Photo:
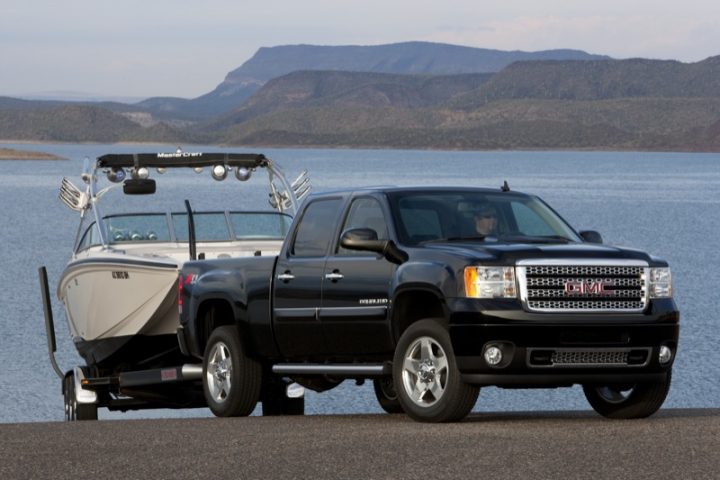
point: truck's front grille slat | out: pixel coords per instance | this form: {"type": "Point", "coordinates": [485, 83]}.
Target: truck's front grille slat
{"type": "Point", "coordinates": [583, 287]}
{"type": "Point", "coordinates": [578, 358]}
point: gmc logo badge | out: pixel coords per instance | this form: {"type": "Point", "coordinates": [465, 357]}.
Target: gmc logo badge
{"type": "Point", "coordinates": [583, 287]}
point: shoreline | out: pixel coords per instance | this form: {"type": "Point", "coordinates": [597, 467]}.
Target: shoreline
{"type": "Point", "coordinates": [15, 154]}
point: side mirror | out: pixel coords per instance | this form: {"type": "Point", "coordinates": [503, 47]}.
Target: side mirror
{"type": "Point", "coordinates": [139, 186]}
{"type": "Point", "coordinates": [591, 236]}
{"type": "Point", "coordinates": [365, 239]}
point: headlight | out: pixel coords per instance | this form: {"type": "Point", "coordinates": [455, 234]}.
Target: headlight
{"type": "Point", "coordinates": [490, 282]}
{"type": "Point", "coordinates": [660, 283]}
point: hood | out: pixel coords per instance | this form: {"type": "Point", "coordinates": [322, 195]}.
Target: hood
{"type": "Point", "coordinates": [505, 253]}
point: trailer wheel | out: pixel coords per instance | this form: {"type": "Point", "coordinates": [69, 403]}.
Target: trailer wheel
{"type": "Point", "coordinates": [386, 395]}
{"type": "Point", "coordinates": [628, 401]}
{"type": "Point", "coordinates": [73, 410]}
{"type": "Point", "coordinates": [231, 379]}
{"type": "Point", "coordinates": [426, 376]}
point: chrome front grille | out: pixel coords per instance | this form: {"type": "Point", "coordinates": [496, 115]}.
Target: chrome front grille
{"type": "Point", "coordinates": [583, 286]}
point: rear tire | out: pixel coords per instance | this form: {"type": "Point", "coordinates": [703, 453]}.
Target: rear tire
{"type": "Point", "coordinates": [426, 376]}
{"type": "Point", "coordinates": [231, 379]}
{"type": "Point", "coordinates": [628, 401]}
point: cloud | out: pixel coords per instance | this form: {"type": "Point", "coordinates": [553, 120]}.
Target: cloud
{"type": "Point", "coordinates": [686, 39]}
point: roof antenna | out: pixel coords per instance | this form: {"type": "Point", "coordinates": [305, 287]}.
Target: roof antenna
{"type": "Point", "coordinates": [505, 187]}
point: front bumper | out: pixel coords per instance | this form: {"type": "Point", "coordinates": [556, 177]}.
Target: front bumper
{"type": "Point", "coordinates": [547, 350]}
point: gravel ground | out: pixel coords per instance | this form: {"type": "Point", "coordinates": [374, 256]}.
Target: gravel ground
{"type": "Point", "coordinates": [572, 445]}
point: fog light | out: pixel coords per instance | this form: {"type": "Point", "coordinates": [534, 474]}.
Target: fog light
{"type": "Point", "coordinates": [665, 354]}
{"type": "Point", "coordinates": [493, 355]}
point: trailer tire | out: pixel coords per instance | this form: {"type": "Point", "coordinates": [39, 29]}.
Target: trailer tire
{"type": "Point", "coordinates": [75, 411]}
{"type": "Point", "coordinates": [231, 380]}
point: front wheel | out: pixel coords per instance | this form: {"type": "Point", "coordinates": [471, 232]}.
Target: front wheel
{"type": "Point", "coordinates": [231, 379]}
{"type": "Point", "coordinates": [426, 377]}
{"type": "Point", "coordinates": [624, 401]}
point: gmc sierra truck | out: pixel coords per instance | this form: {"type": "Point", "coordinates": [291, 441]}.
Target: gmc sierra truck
{"type": "Point", "coordinates": [432, 293]}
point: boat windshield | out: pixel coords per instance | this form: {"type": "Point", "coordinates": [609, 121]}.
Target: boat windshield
{"type": "Point", "coordinates": [173, 227]}
{"type": "Point", "coordinates": [446, 216]}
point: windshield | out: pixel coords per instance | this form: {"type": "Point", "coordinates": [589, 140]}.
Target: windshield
{"type": "Point", "coordinates": [426, 216]}
{"type": "Point", "coordinates": [209, 227]}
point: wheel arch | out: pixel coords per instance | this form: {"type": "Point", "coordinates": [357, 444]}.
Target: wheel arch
{"type": "Point", "coordinates": [214, 312]}
{"type": "Point", "coordinates": [414, 303]}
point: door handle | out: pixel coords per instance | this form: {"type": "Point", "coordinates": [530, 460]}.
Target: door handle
{"type": "Point", "coordinates": [285, 277]}
{"type": "Point", "coordinates": [334, 276]}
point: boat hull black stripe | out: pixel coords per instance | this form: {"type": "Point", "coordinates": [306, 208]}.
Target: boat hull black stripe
{"type": "Point", "coordinates": [119, 261]}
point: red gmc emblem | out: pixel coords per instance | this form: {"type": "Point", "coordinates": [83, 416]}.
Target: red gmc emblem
{"type": "Point", "coordinates": [584, 287]}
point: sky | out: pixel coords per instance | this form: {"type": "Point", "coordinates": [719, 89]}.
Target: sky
{"type": "Point", "coordinates": [184, 48]}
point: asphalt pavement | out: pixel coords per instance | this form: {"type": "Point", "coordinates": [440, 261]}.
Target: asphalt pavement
{"type": "Point", "coordinates": [498, 446]}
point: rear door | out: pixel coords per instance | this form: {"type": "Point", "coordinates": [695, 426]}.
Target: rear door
{"type": "Point", "coordinates": [298, 280]}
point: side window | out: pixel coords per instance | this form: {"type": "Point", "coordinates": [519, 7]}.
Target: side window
{"type": "Point", "coordinates": [316, 228]}
{"type": "Point", "coordinates": [528, 222]}
{"type": "Point", "coordinates": [365, 213]}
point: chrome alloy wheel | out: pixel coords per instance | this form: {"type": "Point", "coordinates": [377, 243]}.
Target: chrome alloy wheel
{"type": "Point", "coordinates": [425, 372]}
{"type": "Point", "coordinates": [219, 372]}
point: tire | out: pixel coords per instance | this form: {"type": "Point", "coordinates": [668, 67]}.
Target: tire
{"type": "Point", "coordinates": [231, 380]}
{"type": "Point", "coordinates": [75, 411]}
{"type": "Point", "coordinates": [276, 402]}
{"type": "Point", "coordinates": [386, 395]}
{"type": "Point", "coordinates": [628, 401]}
{"type": "Point", "coordinates": [426, 377]}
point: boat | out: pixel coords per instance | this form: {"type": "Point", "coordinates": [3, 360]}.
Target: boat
{"type": "Point", "coordinates": [120, 287]}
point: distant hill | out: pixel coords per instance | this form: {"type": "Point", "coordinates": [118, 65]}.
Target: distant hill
{"type": "Point", "coordinates": [628, 104]}
{"type": "Point", "coordinates": [592, 103]}
{"type": "Point", "coordinates": [598, 80]}
{"type": "Point", "coordinates": [400, 58]}
{"type": "Point", "coordinates": [334, 89]}
{"type": "Point", "coordinates": [80, 123]}
{"type": "Point", "coordinates": [404, 58]}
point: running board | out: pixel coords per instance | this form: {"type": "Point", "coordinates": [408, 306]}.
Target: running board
{"type": "Point", "coordinates": [159, 376]}
{"type": "Point", "coordinates": [336, 369]}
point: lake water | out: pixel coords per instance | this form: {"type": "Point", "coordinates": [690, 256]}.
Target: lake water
{"type": "Point", "coordinates": [665, 203]}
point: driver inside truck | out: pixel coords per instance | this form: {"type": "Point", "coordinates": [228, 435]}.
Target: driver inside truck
{"type": "Point", "coordinates": [486, 220]}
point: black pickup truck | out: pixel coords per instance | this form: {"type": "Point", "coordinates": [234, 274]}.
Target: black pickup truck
{"type": "Point", "coordinates": [433, 293]}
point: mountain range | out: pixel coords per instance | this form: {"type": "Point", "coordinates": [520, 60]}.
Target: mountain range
{"type": "Point", "coordinates": [411, 95]}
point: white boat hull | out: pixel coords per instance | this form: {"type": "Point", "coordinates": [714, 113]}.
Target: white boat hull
{"type": "Point", "coordinates": [109, 298]}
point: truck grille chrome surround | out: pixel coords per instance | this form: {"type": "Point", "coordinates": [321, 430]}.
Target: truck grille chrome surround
{"type": "Point", "coordinates": [581, 285]}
